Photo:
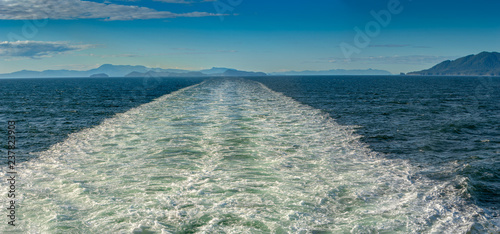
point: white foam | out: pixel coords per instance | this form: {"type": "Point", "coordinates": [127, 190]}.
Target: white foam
{"type": "Point", "coordinates": [230, 155]}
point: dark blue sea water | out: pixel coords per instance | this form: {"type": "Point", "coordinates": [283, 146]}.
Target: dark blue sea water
{"type": "Point", "coordinates": [266, 154]}
{"type": "Point", "coordinates": [447, 125]}
{"type": "Point", "coordinates": [48, 110]}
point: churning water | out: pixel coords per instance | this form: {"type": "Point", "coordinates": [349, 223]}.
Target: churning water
{"type": "Point", "coordinates": [231, 155]}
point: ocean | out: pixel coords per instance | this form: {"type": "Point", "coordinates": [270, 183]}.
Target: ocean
{"type": "Point", "coordinates": [340, 154]}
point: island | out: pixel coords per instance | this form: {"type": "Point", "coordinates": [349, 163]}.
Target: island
{"type": "Point", "coordinates": [109, 70]}
{"type": "Point", "coordinates": [100, 75]}
{"type": "Point", "coordinates": [482, 64]}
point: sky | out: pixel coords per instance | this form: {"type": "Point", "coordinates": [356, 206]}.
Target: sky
{"type": "Point", "coordinates": [257, 35]}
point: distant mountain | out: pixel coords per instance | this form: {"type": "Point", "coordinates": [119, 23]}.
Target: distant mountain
{"type": "Point", "coordinates": [482, 64]}
{"type": "Point", "coordinates": [332, 72]}
{"type": "Point", "coordinates": [100, 75]}
{"type": "Point", "coordinates": [129, 71]}
{"type": "Point", "coordinates": [210, 72]}
{"type": "Point", "coordinates": [214, 70]}
{"type": "Point", "coordinates": [164, 74]}
{"type": "Point", "coordinates": [110, 70]}
{"type": "Point", "coordinates": [118, 70]}
{"type": "Point", "coordinates": [233, 72]}
{"type": "Point", "coordinates": [142, 71]}
{"type": "Point", "coordinates": [46, 73]}
{"type": "Point", "coordinates": [169, 70]}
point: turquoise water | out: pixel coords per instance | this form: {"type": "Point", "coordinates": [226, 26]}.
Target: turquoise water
{"type": "Point", "coordinates": [232, 156]}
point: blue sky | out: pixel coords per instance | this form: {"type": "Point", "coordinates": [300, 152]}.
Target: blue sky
{"type": "Point", "coordinates": [254, 35]}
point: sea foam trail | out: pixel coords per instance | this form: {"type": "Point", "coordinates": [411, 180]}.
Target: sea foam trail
{"type": "Point", "coordinates": [230, 155]}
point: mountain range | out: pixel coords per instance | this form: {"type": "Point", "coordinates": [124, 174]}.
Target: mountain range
{"type": "Point", "coordinates": [334, 72]}
{"type": "Point", "coordinates": [109, 70]}
{"type": "Point", "coordinates": [210, 72]}
{"type": "Point", "coordinates": [482, 64]}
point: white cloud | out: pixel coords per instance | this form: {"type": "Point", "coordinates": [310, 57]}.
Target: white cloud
{"type": "Point", "coordinates": [36, 49]}
{"type": "Point", "coordinates": [77, 9]}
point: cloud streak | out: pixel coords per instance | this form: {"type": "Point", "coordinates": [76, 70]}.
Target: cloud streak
{"type": "Point", "coordinates": [77, 9]}
{"type": "Point", "coordinates": [37, 49]}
